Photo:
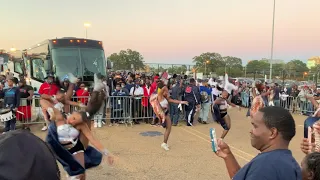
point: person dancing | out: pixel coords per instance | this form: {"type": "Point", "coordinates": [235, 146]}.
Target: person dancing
{"type": "Point", "coordinates": [62, 99]}
{"type": "Point", "coordinates": [69, 136]}
{"type": "Point", "coordinates": [160, 103]}
{"type": "Point", "coordinates": [257, 102]}
{"type": "Point", "coordinates": [221, 112]}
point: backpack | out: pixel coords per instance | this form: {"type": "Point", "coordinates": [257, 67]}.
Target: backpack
{"type": "Point", "coordinates": [204, 96]}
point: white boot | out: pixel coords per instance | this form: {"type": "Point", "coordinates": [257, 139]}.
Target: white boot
{"type": "Point", "coordinates": [98, 84]}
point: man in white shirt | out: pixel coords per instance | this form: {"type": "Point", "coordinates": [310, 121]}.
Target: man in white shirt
{"type": "Point", "coordinates": [136, 92]}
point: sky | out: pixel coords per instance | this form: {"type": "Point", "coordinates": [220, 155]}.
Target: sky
{"type": "Point", "coordinates": [170, 31]}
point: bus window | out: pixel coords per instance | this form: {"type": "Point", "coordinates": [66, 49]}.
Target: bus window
{"type": "Point", "coordinates": [92, 61]}
{"type": "Point", "coordinates": [18, 68]}
{"type": "Point", "coordinates": [66, 60]}
{"type": "Point", "coordinates": [38, 69]}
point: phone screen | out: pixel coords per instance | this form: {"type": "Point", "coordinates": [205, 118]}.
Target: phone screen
{"type": "Point", "coordinates": [213, 140]}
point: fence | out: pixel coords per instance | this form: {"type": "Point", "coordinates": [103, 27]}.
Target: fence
{"type": "Point", "coordinates": [298, 105]}
{"type": "Point", "coordinates": [126, 109]}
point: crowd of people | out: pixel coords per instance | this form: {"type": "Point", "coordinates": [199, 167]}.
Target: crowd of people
{"type": "Point", "coordinates": [161, 98]}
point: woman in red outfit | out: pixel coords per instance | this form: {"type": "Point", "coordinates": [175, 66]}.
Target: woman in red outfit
{"type": "Point", "coordinates": [83, 94]}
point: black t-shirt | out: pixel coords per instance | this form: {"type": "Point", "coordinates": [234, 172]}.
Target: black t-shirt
{"type": "Point", "coordinates": [24, 93]}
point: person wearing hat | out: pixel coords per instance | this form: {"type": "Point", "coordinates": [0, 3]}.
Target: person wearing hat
{"type": "Point", "coordinates": [26, 163]}
{"type": "Point", "coordinates": [47, 90]}
{"type": "Point", "coordinates": [11, 101]}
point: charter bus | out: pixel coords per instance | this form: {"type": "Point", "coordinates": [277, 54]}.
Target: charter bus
{"type": "Point", "coordinates": [4, 58]}
{"type": "Point", "coordinates": [82, 57]}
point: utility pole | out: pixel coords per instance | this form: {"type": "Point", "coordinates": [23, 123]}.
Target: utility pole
{"type": "Point", "coordinates": [271, 58]}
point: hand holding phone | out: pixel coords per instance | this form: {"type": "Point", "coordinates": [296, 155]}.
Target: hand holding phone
{"type": "Point", "coordinates": [214, 143]}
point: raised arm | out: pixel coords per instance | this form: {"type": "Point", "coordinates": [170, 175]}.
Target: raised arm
{"type": "Point", "coordinates": [313, 101]}
{"type": "Point", "coordinates": [56, 114]}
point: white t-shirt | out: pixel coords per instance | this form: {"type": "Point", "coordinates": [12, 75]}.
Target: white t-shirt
{"type": "Point", "coordinates": [136, 91]}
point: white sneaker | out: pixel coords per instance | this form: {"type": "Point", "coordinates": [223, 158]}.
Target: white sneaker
{"type": "Point", "coordinates": [165, 146]}
{"type": "Point", "coordinates": [95, 124]}
{"type": "Point", "coordinates": [44, 128]}
{"type": "Point", "coordinates": [99, 123]}
{"type": "Point", "coordinates": [4, 133]}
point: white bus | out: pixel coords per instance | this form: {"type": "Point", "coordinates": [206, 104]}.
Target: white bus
{"type": "Point", "coordinates": [82, 57]}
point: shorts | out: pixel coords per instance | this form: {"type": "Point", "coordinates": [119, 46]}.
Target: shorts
{"type": "Point", "coordinates": [78, 147]}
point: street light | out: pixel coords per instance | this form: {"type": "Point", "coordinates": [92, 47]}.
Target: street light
{"type": "Point", "coordinates": [205, 66]}
{"type": "Point", "coordinates": [304, 74]}
{"type": "Point", "coordinates": [271, 58]}
{"type": "Point", "coordinates": [86, 25]}
{"type": "Point", "coordinates": [13, 49]}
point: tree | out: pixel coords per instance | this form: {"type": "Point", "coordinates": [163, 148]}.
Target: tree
{"type": "Point", "coordinates": [177, 69]}
{"type": "Point", "coordinates": [208, 62]}
{"type": "Point", "coordinates": [124, 59]}
{"type": "Point", "coordinates": [256, 67]}
{"type": "Point", "coordinates": [296, 68]}
{"type": "Point", "coordinates": [278, 69]}
{"type": "Point", "coordinates": [233, 66]}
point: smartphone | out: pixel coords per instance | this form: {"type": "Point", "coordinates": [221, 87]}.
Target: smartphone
{"type": "Point", "coordinates": [214, 143]}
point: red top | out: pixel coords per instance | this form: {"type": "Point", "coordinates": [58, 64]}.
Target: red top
{"type": "Point", "coordinates": [48, 89]}
{"type": "Point", "coordinates": [81, 93]}
{"type": "Point", "coordinates": [146, 94]}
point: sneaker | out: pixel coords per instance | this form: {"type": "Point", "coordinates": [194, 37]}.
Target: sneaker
{"type": "Point", "coordinates": [95, 124]}
{"type": "Point", "coordinates": [165, 146]}
{"type": "Point", "coordinates": [44, 128]}
{"type": "Point", "coordinates": [4, 133]}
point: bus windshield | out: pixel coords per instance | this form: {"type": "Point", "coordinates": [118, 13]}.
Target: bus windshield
{"type": "Point", "coordinates": [79, 61]}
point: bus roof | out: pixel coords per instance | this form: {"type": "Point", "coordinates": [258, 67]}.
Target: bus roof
{"type": "Point", "coordinates": [70, 42]}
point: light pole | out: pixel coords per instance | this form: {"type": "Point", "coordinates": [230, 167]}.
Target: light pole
{"type": "Point", "coordinates": [205, 67]}
{"type": "Point", "coordinates": [86, 25]}
{"type": "Point", "coordinates": [225, 65]}
{"type": "Point", "coordinates": [271, 58]}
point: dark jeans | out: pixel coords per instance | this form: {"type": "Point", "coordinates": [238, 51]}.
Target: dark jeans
{"type": "Point", "coordinates": [116, 115]}
{"type": "Point", "coordinates": [190, 110]}
{"type": "Point", "coordinates": [10, 125]}
{"type": "Point", "coordinates": [174, 113]}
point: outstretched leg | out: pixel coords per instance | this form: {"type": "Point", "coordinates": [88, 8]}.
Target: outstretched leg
{"type": "Point", "coordinates": [226, 126]}
{"type": "Point", "coordinates": [168, 126]}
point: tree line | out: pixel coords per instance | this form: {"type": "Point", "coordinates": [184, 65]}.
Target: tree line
{"type": "Point", "coordinates": [214, 63]}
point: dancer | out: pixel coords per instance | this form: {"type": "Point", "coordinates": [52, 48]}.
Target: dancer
{"type": "Point", "coordinates": [62, 99]}
{"type": "Point", "coordinates": [69, 137]}
{"type": "Point", "coordinates": [257, 102]}
{"type": "Point", "coordinates": [221, 112]}
{"type": "Point", "coordinates": [160, 104]}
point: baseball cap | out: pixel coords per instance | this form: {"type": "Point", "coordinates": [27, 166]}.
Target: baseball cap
{"type": "Point", "coordinates": [25, 156]}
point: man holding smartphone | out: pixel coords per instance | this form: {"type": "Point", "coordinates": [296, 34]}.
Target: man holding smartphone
{"type": "Point", "coordinates": [273, 129]}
